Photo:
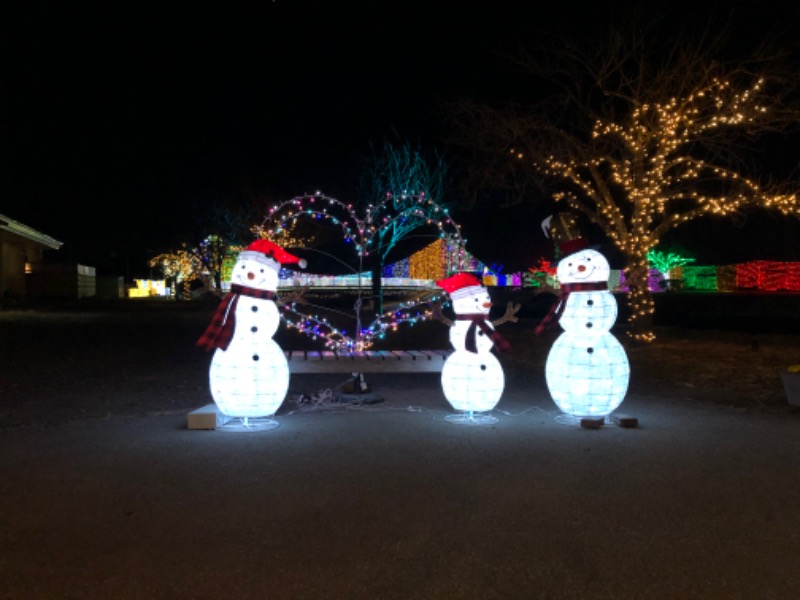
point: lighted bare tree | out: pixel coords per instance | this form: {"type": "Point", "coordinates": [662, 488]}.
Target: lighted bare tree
{"type": "Point", "coordinates": [403, 191]}
{"type": "Point", "coordinates": [180, 267]}
{"type": "Point", "coordinates": [639, 139]}
{"type": "Point", "coordinates": [203, 262]}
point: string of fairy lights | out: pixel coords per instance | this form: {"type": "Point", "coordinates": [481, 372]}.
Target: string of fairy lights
{"type": "Point", "coordinates": [320, 328]}
{"type": "Point", "coordinates": [364, 231]}
{"type": "Point", "coordinates": [646, 166]}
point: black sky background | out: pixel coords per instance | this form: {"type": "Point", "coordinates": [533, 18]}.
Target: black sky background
{"type": "Point", "coordinates": [120, 125]}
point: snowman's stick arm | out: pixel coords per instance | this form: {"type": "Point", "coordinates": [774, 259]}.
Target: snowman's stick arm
{"type": "Point", "coordinates": [436, 313]}
{"type": "Point", "coordinates": [511, 314]}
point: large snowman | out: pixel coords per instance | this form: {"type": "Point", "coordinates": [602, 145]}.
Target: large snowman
{"type": "Point", "coordinates": [249, 375]}
{"type": "Point", "coordinates": [587, 370]}
{"type": "Point", "coordinates": [472, 377]}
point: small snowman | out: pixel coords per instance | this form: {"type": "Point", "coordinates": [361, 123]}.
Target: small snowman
{"type": "Point", "coordinates": [249, 375]}
{"type": "Point", "coordinates": [472, 377]}
{"type": "Point", "coordinates": [587, 370]}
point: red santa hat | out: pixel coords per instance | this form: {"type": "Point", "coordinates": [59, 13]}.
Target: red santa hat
{"type": "Point", "coordinates": [271, 250]}
{"type": "Point", "coordinates": [460, 285]}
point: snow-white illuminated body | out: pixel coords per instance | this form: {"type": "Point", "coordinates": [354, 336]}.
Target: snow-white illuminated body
{"type": "Point", "coordinates": [587, 370]}
{"type": "Point", "coordinates": [472, 381]}
{"type": "Point", "coordinates": [251, 377]}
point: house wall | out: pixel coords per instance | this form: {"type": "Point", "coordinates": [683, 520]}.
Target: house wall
{"type": "Point", "coordinates": [15, 252]}
{"type": "Point", "coordinates": [68, 281]}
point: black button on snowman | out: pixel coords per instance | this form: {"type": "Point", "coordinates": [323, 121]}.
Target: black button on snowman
{"type": "Point", "coordinates": [249, 375]}
{"type": "Point", "coordinates": [587, 370]}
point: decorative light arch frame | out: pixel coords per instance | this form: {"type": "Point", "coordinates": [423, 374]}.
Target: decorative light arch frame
{"type": "Point", "coordinates": [364, 232]}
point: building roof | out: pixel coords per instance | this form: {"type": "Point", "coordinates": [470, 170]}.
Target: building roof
{"type": "Point", "coordinates": [20, 229]}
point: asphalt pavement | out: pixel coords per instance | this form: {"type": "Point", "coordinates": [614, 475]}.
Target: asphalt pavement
{"type": "Point", "coordinates": [392, 500]}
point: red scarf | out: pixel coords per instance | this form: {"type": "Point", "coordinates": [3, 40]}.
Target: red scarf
{"type": "Point", "coordinates": [219, 333]}
{"type": "Point", "coordinates": [479, 320]}
{"type": "Point", "coordinates": [554, 315]}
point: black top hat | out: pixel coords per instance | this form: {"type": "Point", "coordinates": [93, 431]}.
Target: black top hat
{"type": "Point", "coordinates": [563, 229]}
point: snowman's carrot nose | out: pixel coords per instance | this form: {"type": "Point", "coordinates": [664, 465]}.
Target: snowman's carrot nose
{"type": "Point", "coordinates": [581, 268]}
{"type": "Point", "coordinates": [251, 275]}
{"type": "Point", "coordinates": [487, 305]}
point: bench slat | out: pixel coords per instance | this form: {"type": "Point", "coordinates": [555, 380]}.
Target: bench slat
{"type": "Point", "coordinates": [437, 354]}
{"type": "Point", "coordinates": [369, 361]}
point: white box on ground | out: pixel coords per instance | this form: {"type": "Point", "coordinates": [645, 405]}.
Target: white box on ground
{"type": "Point", "coordinates": [206, 417]}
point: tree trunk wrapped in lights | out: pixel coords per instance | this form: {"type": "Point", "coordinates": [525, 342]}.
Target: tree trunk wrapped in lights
{"type": "Point", "coordinates": [640, 302]}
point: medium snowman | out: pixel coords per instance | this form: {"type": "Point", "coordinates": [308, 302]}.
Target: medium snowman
{"type": "Point", "coordinates": [472, 377]}
{"type": "Point", "coordinates": [587, 370]}
{"type": "Point", "coordinates": [249, 375]}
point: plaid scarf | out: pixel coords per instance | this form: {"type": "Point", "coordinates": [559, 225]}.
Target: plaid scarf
{"type": "Point", "coordinates": [219, 333]}
{"type": "Point", "coordinates": [554, 315]}
{"type": "Point", "coordinates": [479, 320]}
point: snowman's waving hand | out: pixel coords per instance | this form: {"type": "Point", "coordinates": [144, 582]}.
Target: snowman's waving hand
{"type": "Point", "coordinates": [511, 314]}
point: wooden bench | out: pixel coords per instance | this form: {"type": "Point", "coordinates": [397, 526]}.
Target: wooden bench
{"type": "Point", "coordinates": [328, 361]}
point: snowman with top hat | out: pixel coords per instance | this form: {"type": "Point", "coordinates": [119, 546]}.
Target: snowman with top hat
{"type": "Point", "coordinates": [587, 370]}
{"type": "Point", "coordinates": [472, 377]}
{"type": "Point", "coordinates": [249, 375]}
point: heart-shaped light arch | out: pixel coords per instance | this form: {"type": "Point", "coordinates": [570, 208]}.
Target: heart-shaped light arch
{"type": "Point", "coordinates": [396, 217]}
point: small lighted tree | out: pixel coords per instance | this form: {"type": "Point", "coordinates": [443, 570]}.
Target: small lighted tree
{"type": "Point", "coordinates": [203, 262]}
{"type": "Point", "coordinates": [401, 193]}
{"type": "Point", "coordinates": [213, 252]}
{"type": "Point", "coordinates": [543, 276]}
{"type": "Point", "coordinates": [664, 262]}
{"type": "Point", "coordinates": [180, 268]}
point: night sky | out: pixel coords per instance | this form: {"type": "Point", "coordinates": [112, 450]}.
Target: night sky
{"type": "Point", "coordinates": [120, 125]}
